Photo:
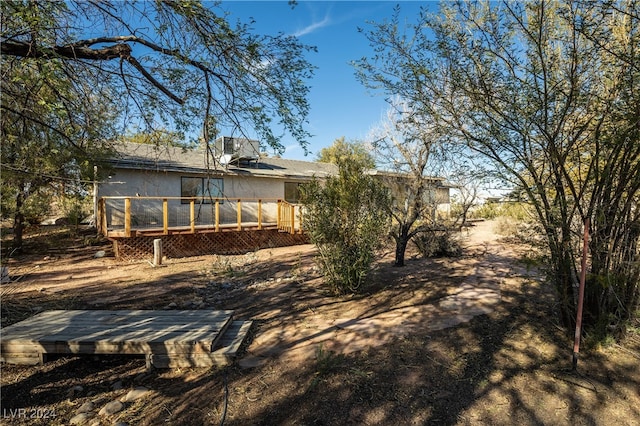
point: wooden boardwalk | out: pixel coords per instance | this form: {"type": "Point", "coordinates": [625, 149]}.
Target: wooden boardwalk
{"type": "Point", "coordinates": [166, 338]}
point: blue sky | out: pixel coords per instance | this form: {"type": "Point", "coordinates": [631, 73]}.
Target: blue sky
{"type": "Point", "coordinates": [340, 105]}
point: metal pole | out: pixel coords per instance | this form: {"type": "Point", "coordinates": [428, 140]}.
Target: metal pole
{"type": "Point", "coordinates": [583, 274]}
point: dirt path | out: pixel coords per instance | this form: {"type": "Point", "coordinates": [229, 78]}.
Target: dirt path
{"type": "Point", "coordinates": [470, 340]}
{"type": "Point", "coordinates": [485, 265]}
{"type": "Point", "coordinates": [441, 293]}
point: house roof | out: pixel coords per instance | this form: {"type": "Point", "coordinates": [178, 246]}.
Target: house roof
{"type": "Point", "coordinates": [183, 160]}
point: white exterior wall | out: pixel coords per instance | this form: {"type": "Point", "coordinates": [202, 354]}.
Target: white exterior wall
{"type": "Point", "coordinates": [128, 183]}
{"type": "Point", "coordinates": [134, 183]}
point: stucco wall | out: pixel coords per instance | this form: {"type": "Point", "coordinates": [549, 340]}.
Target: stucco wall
{"type": "Point", "coordinates": [161, 184]}
{"type": "Point", "coordinates": [135, 183]}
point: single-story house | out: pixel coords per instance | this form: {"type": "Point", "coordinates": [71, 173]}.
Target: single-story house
{"type": "Point", "coordinates": [148, 174]}
{"type": "Point", "coordinates": [148, 170]}
{"type": "Point", "coordinates": [164, 191]}
{"type": "Point", "coordinates": [436, 196]}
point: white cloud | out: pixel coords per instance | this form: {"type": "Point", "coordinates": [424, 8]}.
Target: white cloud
{"type": "Point", "coordinates": [313, 27]}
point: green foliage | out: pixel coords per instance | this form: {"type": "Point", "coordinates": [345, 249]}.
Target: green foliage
{"type": "Point", "coordinates": [437, 243]}
{"type": "Point", "coordinates": [75, 207]}
{"type": "Point", "coordinates": [342, 150]}
{"type": "Point", "coordinates": [547, 93]}
{"type": "Point", "coordinates": [327, 363]}
{"type": "Point", "coordinates": [408, 148]}
{"type": "Point", "coordinates": [513, 210]}
{"type": "Point", "coordinates": [157, 137]}
{"type": "Point", "coordinates": [345, 218]}
{"type": "Point", "coordinates": [157, 68]}
{"type": "Point", "coordinates": [37, 207]}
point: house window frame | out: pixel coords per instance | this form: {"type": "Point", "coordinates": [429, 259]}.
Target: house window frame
{"type": "Point", "coordinates": [200, 196]}
{"type": "Point", "coordinates": [297, 192]}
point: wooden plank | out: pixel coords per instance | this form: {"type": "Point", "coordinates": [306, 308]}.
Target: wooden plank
{"type": "Point", "coordinates": [279, 218]}
{"type": "Point", "coordinates": [165, 216]}
{"type": "Point", "coordinates": [80, 328]}
{"type": "Point", "coordinates": [105, 347]}
{"type": "Point", "coordinates": [127, 217]}
{"type": "Point", "coordinates": [81, 333]}
{"type": "Point", "coordinates": [192, 215]}
{"type": "Point", "coordinates": [161, 332]}
{"type": "Point", "coordinates": [94, 321]}
{"type": "Point", "coordinates": [293, 219]}
{"type": "Point", "coordinates": [23, 360]}
{"type": "Point", "coordinates": [233, 338]}
{"type": "Point", "coordinates": [184, 338]}
{"type": "Point", "coordinates": [14, 347]}
{"type": "Point", "coordinates": [93, 314]}
{"type": "Point", "coordinates": [192, 361]}
{"type": "Point", "coordinates": [225, 355]}
{"type": "Point", "coordinates": [217, 214]}
{"type": "Point", "coordinates": [82, 325]}
{"type": "Point", "coordinates": [103, 217]}
{"type": "Point", "coordinates": [78, 333]}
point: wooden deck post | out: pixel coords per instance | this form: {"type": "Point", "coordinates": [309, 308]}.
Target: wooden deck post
{"type": "Point", "coordinates": [102, 213]}
{"type": "Point", "coordinates": [192, 215]}
{"type": "Point", "coordinates": [217, 224]}
{"type": "Point", "coordinates": [134, 221]}
{"type": "Point", "coordinates": [127, 217]}
{"type": "Point", "coordinates": [157, 252]}
{"type": "Point", "coordinates": [279, 218]}
{"type": "Point", "coordinates": [165, 216]}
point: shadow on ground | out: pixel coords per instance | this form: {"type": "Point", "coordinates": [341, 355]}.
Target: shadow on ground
{"type": "Point", "coordinates": [510, 365]}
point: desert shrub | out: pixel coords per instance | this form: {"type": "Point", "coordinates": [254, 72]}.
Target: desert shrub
{"type": "Point", "coordinates": [438, 243]}
{"type": "Point", "coordinates": [75, 208]}
{"type": "Point", "coordinates": [486, 211]}
{"type": "Point", "coordinates": [517, 211]}
{"type": "Point", "coordinates": [506, 226]}
{"type": "Point", "coordinates": [345, 218]}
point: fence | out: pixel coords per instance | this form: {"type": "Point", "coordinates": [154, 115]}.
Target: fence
{"type": "Point", "coordinates": [132, 216]}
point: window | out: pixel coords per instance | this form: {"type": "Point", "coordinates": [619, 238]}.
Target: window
{"type": "Point", "coordinates": [203, 189]}
{"type": "Point", "coordinates": [292, 192]}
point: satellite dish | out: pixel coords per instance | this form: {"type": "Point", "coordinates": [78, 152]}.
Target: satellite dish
{"type": "Point", "coordinates": [226, 159]}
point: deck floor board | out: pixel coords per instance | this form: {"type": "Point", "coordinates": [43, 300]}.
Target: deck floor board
{"type": "Point", "coordinates": [177, 336]}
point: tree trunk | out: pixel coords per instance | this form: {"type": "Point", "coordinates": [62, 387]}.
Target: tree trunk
{"type": "Point", "coordinates": [563, 278]}
{"type": "Point", "coordinates": [18, 223]}
{"type": "Point", "coordinates": [401, 245]}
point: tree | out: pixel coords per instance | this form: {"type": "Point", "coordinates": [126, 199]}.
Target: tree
{"type": "Point", "coordinates": [341, 149]}
{"type": "Point", "coordinates": [467, 178]}
{"type": "Point", "coordinates": [157, 137]}
{"type": "Point", "coordinates": [547, 92]}
{"type": "Point", "coordinates": [406, 145]}
{"type": "Point", "coordinates": [72, 72]}
{"type": "Point", "coordinates": [345, 218]}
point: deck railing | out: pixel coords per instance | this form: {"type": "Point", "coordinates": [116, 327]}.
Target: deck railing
{"type": "Point", "coordinates": [121, 216]}
{"type": "Point", "coordinates": [287, 217]}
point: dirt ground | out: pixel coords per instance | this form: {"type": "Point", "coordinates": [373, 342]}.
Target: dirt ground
{"type": "Point", "coordinates": [469, 340]}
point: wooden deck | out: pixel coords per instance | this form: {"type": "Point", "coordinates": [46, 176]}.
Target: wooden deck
{"type": "Point", "coordinates": [166, 338]}
{"type": "Point", "coordinates": [128, 216]}
{"type": "Point", "coordinates": [182, 230]}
